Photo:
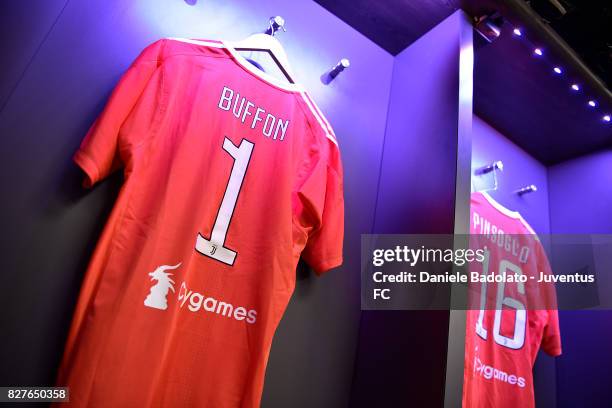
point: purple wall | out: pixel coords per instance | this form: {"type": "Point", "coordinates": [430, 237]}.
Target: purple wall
{"type": "Point", "coordinates": [394, 365]}
{"type": "Point", "coordinates": [21, 31]}
{"type": "Point", "coordinates": [580, 193]}
{"type": "Point", "coordinates": [66, 62]}
{"type": "Point", "coordinates": [520, 169]}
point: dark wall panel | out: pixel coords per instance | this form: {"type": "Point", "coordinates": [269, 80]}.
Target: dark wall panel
{"type": "Point", "coordinates": [23, 27]}
{"type": "Point", "coordinates": [50, 225]}
{"type": "Point", "coordinates": [401, 355]}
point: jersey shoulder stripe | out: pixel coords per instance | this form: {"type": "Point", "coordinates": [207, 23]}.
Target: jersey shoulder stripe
{"type": "Point", "coordinates": [207, 43]}
{"type": "Point", "coordinates": [321, 115]}
{"type": "Point", "coordinates": [325, 126]}
{"type": "Point", "coordinates": [508, 213]}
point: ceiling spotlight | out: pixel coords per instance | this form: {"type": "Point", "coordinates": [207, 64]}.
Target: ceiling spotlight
{"type": "Point", "coordinates": [606, 118]}
{"type": "Point", "coordinates": [557, 70]}
{"type": "Point", "coordinates": [517, 31]}
{"type": "Point", "coordinates": [592, 103]}
{"type": "Point", "coordinates": [538, 51]}
{"type": "Point", "coordinates": [575, 87]}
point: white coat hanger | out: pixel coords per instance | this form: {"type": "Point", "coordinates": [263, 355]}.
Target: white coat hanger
{"type": "Point", "coordinates": [266, 42]}
{"type": "Point", "coordinates": [492, 168]}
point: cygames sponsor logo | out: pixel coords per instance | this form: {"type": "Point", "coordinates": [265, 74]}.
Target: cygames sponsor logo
{"type": "Point", "coordinates": [490, 372]}
{"type": "Point", "coordinates": [195, 302]}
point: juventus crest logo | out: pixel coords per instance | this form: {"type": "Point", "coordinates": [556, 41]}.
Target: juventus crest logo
{"type": "Point", "coordinates": [158, 293]}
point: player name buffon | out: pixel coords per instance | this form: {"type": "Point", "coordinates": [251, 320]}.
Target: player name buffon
{"type": "Point", "coordinates": [252, 115]}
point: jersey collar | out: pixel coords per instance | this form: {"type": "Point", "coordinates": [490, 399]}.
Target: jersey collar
{"type": "Point", "coordinates": [259, 73]}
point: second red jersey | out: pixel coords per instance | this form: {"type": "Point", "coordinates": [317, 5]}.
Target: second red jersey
{"type": "Point", "coordinates": [230, 177]}
{"type": "Point", "coordinates": [504, 336]}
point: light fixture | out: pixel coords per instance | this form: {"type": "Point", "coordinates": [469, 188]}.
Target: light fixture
{"type": "Point", "coordinates": [489, 26]}
{"type": "Point", "coordinates": [575, 87]}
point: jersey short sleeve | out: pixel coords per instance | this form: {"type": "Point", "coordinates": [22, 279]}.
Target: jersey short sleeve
{"type": "Point", "coordinates": [551, 336]}
{"type": "Point", "coordinates": [551, 339]}
{"type": "Point", "coordinates": [100, 152]}
{"type": "Point", "coordinates": [323, 194]}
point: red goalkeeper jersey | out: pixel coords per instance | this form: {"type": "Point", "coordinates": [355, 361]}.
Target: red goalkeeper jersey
{"type": "Point", "coordinates": [230, 177]}
{"type": "Point", "coordinates": [515, 318]}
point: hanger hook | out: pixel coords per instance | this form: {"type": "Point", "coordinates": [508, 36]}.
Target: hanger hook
{"type": "Point", "coordinates": [275, 23]}
{"type": "Point", "coordinates": [527, 189]}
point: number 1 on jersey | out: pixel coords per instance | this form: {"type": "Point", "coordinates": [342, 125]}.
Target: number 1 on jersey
{"type": "Point", "coordinates": [215, 246]}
